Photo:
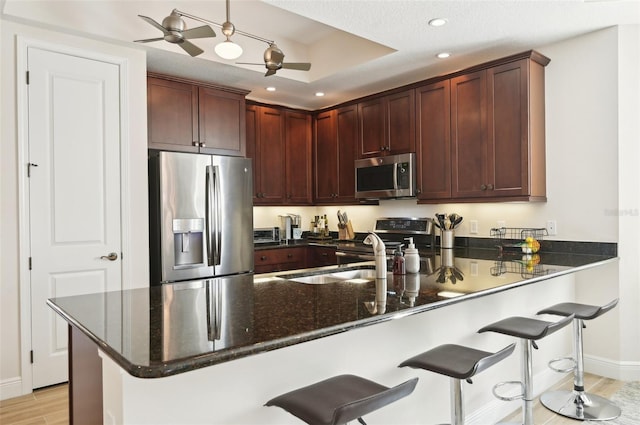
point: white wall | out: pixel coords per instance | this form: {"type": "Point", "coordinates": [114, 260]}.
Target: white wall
{"type": "Point", "coordinates": [136, 262]}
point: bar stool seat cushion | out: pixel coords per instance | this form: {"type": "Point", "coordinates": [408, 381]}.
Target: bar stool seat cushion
{"type": "Point", "coordinates": [456, 361]}
{"type": "Point", "coordinates": [525, 327]}
{"type": "Point", "coordinates": [581, 311]}
{"type": "Point", "coordinates": [340, 399]}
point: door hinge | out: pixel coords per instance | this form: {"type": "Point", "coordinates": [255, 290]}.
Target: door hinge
{"type": "Point", "coordinates": [29, 263]}
{"type": "Point", "coordinates": [27, 77]}
{"type": "Point", "coordinates": [31, 356]}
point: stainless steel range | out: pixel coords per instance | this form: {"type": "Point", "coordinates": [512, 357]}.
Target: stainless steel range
{"type": "Point", "coordinates": [393, 231]}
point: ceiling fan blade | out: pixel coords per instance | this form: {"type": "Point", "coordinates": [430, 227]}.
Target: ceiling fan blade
{"type": "Point", "coordinates": [249, 63]}
{"type": "Point", "coordinates": [270, 72]}
{"type": "Point", "coordinates": [300, 66]}
{"type": "Point", "coordinates": [148, 40]}
{"type": "Point", "coordinates": [155, 24]}
{"type": "Point", "coordinates": [200, 32]}
{"type": "Point", "coordinates": [190, 48]}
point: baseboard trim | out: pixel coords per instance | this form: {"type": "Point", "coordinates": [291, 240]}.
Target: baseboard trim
{"type": "Point", "coordinates": [10, 388]}
{"type": "Point", "coordinates": [622, 371]}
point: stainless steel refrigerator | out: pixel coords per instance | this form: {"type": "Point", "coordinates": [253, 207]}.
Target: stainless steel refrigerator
{"type": "Point", "coordinates": [200, 216]}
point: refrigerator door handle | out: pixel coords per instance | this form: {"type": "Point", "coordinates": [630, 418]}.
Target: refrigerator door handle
{"type": "Point", "coordinates": [208, 213]}
{"type": "Point", "coordinates": [217, 215]}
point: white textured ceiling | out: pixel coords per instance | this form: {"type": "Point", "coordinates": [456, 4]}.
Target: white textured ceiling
{"type": "Point", "coordinates": [357, 47]}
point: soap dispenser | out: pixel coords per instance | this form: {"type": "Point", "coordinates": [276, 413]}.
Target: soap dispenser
{"type": "Point", "coordinates": [398, 261]}
{"type": "Point", "coordinates": [411, 258]}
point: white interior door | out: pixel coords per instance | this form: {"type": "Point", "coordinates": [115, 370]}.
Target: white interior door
{"type": "Point", "coordinates": [74, 193]}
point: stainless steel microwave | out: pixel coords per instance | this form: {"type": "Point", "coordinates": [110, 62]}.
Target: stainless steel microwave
{"type": "Point", "coordinates": [392, 176]}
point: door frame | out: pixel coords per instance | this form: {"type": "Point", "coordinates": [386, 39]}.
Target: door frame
{"type": "Point", "coordinates": [22, 45]}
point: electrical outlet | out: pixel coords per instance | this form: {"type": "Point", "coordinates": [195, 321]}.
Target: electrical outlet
{"type": "Point", "coordinates": [473, 227]}
{"type": "Point", "coordinates": [501, 223]}
{"type": "Point", "coordinates": [552, 228]}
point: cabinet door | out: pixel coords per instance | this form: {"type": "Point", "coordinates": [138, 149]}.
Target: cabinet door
{"type": "Point", "coordinates": [298, 158]}
{"type": "Point", "coordinates": [347, 129]}
{"type": "Point", "coordinates": [270, 152]}
{"type": "Point", "coordinates": [469, 135]}
{"type": "Point", "coordinates": [252, 133]}
{"type": "Point", "coordinates": [401, 122]}
{"type": "Point", "coordinates": [222, 122]}
{"type": "Point", "coordinates": [373, 140]}
{"type": "Point", "coordinates": [508, 128]}
{"type": "Point", "coordinates": [172, 120]}
{"type": "Point", "coordinates": [434, 141]}
{"type": "Point", "coordinates": [325, 157]}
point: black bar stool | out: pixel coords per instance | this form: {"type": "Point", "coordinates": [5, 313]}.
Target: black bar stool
{"type": "Point", "coordinates": [528, 330]}
{"type": "Point", "coordinates": [578, 404]}
{"type": "Point", "coordinates": [340, 399]}
{"type": "Point", "coordinates": [457, 362]}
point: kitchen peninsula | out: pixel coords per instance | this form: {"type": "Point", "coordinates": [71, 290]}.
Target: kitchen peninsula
{"type": "Point", "coordinates": [214, 351]}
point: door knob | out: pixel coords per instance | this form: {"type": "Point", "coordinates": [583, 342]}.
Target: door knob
{"type": "Point", "coordinates": [111, 257]}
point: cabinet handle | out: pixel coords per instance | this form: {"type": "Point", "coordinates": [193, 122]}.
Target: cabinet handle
{"type": "Point", "coordinates": [289, 255]}
{"type": "Point", "coordinates": [263, 258]}
{"type": "Point", "coordinates": [196, 143]}
{"type": "Point", "coordinates": [203, 145]}
{"type": "Point", "coordinates": [490, 187]}
{"type": "Point", "coordinates": [483, 187]}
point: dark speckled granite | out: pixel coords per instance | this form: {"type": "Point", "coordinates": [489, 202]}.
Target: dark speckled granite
{"type": "Point", "coordinates": [162, 331]}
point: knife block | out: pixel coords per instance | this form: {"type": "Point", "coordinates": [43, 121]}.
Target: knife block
{"type": "Point", "coordinates": [345, 231]}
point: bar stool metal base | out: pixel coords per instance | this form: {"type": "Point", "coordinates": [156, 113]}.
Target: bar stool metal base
{"type": "Point", "coordinates": [580, 405]}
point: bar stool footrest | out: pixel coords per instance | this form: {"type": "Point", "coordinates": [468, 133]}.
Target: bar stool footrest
{"type": "Point", "coordinates": [508, 398]}
{"type": "Point", "coordinates": [580, 405]}
{"type": "Point", "coordinates": [552, 365]}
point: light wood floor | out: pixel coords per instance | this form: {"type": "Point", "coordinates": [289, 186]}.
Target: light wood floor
{"type": "Point", "coordinates": [50, 406]}
{"type": "Point", "coordinates": [46, 406]}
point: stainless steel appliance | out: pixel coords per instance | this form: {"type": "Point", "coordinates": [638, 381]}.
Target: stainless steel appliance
{"type": "Point", "coordinates": [288, 224]}
{"type": "Point", "coordinates": [392, 176]}
{"type": "Point", "coordinates": [266, 235]}
{"type": "Point", "coordinates": [200, 216]}
{"type": "Point", "coordinates": [393, 231]}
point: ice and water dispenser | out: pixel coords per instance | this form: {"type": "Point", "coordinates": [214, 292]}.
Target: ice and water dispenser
{"type": "Point", "coordinates": [188, 242]}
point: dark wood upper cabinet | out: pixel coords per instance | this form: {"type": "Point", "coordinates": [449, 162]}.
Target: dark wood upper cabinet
{"type": "Point", "coordinates": [433, 130]}
{"type": "Point", "coordinates": [497, 132]}
{"type": "Point", "coordinates": [189, 116]}
{"type": "Point", "coordinates": [336, 133]}
{"type": "Point", "coordinates": [298, 158]}
{"type": "Point", "coordinates": [470, 153]}
{"type": "Point", "coordinates": [387, 125]}
{"type": "Point", "coordinates": [266, 146]}
{"type": "Point", "coordinates": [172, 115]}
{"type": "Point", "coordinates": [222, 122]}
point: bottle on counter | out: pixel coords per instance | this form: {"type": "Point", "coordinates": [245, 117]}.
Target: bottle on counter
{"type": "Point", "coordinates": [411, 258]}
{"type": "Point", "coordinates": [398, 261]}
{"type": "Point", "coordinates": [326, 225]}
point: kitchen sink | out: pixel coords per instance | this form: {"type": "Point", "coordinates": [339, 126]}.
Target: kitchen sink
{"type": "Point", "coordinates": [357, 275]}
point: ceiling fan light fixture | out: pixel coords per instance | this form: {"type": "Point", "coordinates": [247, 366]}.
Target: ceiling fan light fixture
{"type": "Point", "coordinates": [228, 50]}
{"type": "Point", "coordinates": [443, 55]}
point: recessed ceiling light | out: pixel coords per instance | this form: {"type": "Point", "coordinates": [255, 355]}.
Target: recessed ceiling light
{"type": "Point", "coordinates": [443, 55]}
{"type": "Point", "coordinates": [319, 94]}
{"type": "Point", "coordinates": [437, 22]}
{"type": "Point", "coordinates": [271, 89]}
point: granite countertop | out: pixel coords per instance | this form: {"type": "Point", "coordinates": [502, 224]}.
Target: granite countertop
{"type": "Point", "coordinates": [170, 329]}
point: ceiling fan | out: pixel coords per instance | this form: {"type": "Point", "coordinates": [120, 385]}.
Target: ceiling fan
{"type": "Point", "coordinates": [174, 30]}
{"type": "Point", "coordinates": [273, 61]}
